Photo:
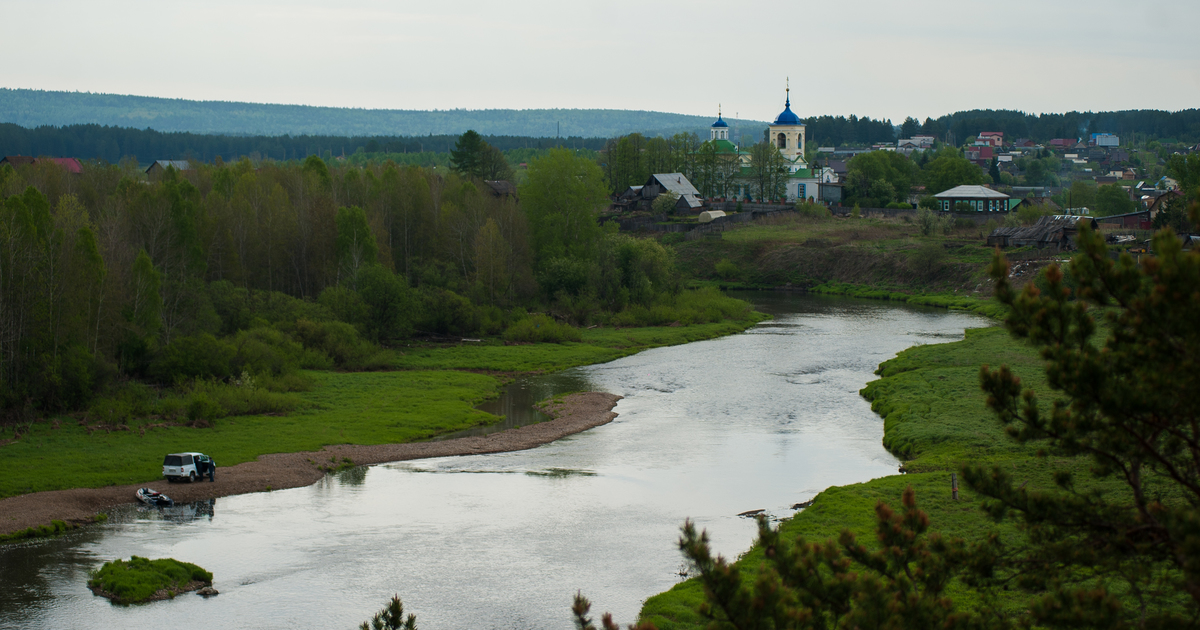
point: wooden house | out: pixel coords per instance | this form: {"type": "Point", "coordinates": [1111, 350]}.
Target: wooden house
{"type": "Point", "coordinates": [1055, 232]}
{"type": "Point", "coordinates": [159, 166]}
{"type": "Point", "coordinates": [501, 188]}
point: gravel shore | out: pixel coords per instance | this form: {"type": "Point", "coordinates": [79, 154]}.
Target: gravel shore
{"type": "Point", "coordinates": [576, 412]}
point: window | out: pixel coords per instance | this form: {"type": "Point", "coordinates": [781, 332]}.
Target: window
{"type": "Point", "coordinates": [782, 141]}
{"type": "Point", "coordinates": [800, 191]}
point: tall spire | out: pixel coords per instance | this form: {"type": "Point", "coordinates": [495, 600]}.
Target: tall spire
{"type": "Point", "coordinates": [788, 91]}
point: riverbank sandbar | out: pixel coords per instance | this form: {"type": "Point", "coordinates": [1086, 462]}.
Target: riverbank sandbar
{"type": "Point", "coordinates": [575, 413]}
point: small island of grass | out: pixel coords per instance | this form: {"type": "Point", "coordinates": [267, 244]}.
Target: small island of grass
{"type": "Point", "coordinates": [144, 580]}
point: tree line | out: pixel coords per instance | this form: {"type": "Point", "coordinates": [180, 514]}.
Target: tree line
{"type": "Point", "coordinates": [108, 275]}
{"type": "Point", "coordinates": [1180, 126]}
{"type": "Point", "coordinates": [112, 144]}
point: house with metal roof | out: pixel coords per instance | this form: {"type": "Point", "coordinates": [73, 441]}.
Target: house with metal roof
{"type": "Point", "coordinates": [158, 166]}
{"type": "Point", "coordinates": [977, 198]}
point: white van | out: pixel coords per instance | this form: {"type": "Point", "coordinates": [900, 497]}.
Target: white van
{"type": "Point", "coordinates": [190, 466]}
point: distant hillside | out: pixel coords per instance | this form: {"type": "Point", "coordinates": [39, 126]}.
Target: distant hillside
{"type": "Point", "coordinates": [34, 108]}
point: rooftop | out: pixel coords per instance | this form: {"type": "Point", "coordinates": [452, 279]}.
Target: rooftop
{"type": "Point", "coordinates": [971, 192]}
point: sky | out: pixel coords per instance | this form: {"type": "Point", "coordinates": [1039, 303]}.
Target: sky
{"type": "Point", "coordinates": [878, 58]}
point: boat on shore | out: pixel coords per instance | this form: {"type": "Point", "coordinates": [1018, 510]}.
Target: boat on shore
{"type": "Point", "coordinates": [154, 498]}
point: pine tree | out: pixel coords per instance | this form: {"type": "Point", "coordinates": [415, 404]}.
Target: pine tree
{"type": "Point", "coordinates": [1129, 556]}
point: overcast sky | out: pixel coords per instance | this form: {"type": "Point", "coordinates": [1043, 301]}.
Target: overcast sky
{"type": "Point", "coordinates": [879, 58]}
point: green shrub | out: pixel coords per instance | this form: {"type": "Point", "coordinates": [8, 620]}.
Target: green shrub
{"type": "Point", "coordinates": [242, 309]}
{"type": "Point", "coordinates": [672, 238]}
{"type": "Point", "coordinates": [541, 329]}
{"type": "Point", "coordinates": [110, 411]}
{"type": "Point", "coordinates": [812, 210]}
{"type": "Point", "coordinates": [447, 313]}
{"type": "Point", "coordinates": [727, 270]}
{"type": "Point", "coordinates": [565, 275]}
{"type": "Point", "coordinates": [345, 304]}
{"type": "Point", "coordinates": [171, 408]}
{"type": "Point", "coordinates": [897, 205]}
{"type": "Point", "coordinates": [337, 340]}
{"type": "Point", "coordinates": [198, 356]}
{"type": "Point", "coordinates": [140, 579]}
{"type": "Point", "coordinates": [389, 306]}
{"type": "Point", "coordinates": [210, 400]}
{"type": "Point", "coordinates": [200, 408]}
{"type": "Point", "coordinates": [265, 351]}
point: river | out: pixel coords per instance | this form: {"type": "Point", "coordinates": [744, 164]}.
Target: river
{"type": "Point", "coordinates": [707, 430]}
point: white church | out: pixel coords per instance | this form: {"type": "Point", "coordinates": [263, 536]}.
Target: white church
{"type": "Point", "coordinates": [787, 134]}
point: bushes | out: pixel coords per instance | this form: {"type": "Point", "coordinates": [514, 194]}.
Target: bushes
{"type": "Point", "coordinates": [447, 313]}
{"type": "Point", "coordinates": [265, 351]}
{"type": "Point", "coordinates": [727, 270]}
{"type": "Point", "coordinates": [541, 329]}
{"type": "Point", "coordinates": [703, 306]}
{"type": "Point", "coordinates": [930, 222]}
{"type": "Point", "coordinates": [340, 343]}
{"type": "Point", "coordinates": [198, 356]}
{"type": "Point", "coordinates": [209, 400]}
{"type": "Point", "coordinates": [811, 210]}
{"type": "Point", "coordinates": [388, 304]}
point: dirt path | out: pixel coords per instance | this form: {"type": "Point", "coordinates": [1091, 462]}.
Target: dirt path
{"type": "Point", "coordinates": [577, 412]}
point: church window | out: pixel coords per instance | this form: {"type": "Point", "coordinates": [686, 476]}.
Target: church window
{"type": "Point", "coordinates": [782, 141]}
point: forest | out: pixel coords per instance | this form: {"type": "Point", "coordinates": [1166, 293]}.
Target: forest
{"type": "Point", "coordinates": [113, 144]}
{"type": "Point", "coordinates": [1180, 126]}
{"type": "Point", "coordinates": [236, 271]}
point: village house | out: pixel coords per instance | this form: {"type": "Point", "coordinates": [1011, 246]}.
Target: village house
{"type": "Point", "coordinates": [994, 139]}
{"type": "Point", "coordinates": [501, 188]}
{"type": "Point", "coordinates": [687, 197]}
{"type": "Point", "coordinates": [978, 199]}
{"type": "Point", "coordinates": [159, 166]}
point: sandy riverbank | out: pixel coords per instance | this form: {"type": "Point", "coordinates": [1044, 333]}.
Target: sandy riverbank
{"type": "Point", "coordinates": [577, 412]}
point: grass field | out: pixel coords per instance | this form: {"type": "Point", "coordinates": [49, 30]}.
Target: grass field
{"type": "Point", "coordinates": [935, 418]}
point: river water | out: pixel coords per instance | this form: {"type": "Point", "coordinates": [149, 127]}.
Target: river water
{"type": "Point", "coordinates": [760, 420]}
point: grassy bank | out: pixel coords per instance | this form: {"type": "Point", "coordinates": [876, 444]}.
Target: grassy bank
{"type": "Point", "coordinates": [935, 418]}
{"type": "Point", "coordinates": [802, 251]}
{"type": "Point", "coordinates": [429, 393]}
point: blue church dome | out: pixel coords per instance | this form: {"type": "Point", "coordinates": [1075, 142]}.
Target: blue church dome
{"type": "Point", "coordinates": [720, 122]}
{"type": "Point", "coordinates": [787, 116]}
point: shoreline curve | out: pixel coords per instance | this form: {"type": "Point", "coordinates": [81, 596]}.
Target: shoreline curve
{"type": "Point", "coordinates": [277, 471]}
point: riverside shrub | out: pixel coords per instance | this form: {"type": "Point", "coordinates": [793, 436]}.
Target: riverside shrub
{"type": "Point", "coordinates": [541, 329]}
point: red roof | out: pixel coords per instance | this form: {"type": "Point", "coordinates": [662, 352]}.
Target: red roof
{"type": "Point", "coordinates": [72, 165]}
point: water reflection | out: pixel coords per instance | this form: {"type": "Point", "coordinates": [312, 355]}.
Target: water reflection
{"type": "Point", "coordinates": [763, 420]}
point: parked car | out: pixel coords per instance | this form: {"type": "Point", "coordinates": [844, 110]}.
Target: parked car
{"type": "Point", "coordinates": [190, 466]}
